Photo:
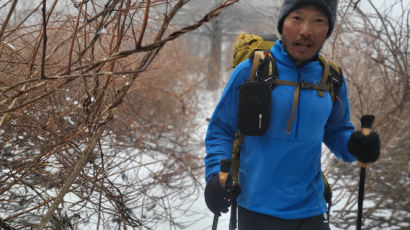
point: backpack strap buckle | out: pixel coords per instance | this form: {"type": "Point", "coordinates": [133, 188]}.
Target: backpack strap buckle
{"type": "Point", "coordinates": [306, 85]}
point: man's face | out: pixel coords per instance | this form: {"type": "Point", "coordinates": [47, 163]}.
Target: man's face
{"type": "Point", "coordinates": [304, 32]}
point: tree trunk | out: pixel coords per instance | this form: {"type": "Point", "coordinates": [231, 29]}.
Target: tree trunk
{"type": "Point", "coordinates": [214, 66]}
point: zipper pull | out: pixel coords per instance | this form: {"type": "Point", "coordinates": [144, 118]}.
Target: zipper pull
{"type": "Point", "coordinates": [260, 121]}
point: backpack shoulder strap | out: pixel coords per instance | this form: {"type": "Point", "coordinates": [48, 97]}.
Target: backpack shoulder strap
{"type": "Point", "coordinates": [256, 58]}
{"type": "Point", "coordinates": [325, 75]}
{"type": "Point", "coordinates": [332, 76]}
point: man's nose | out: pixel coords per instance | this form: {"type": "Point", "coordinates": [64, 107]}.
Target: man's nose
{"type": "Point", "coordinates": [306, 28]}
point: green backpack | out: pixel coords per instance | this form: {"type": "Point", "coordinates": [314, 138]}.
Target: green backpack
{"type": "Point", "coordinates": [257, 49]}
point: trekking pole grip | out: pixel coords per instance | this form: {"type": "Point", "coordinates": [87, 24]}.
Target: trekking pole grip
{"type": "Point", "coordinates": [224, 173]}
{"type": "Point", "coordinates": [366, 122]}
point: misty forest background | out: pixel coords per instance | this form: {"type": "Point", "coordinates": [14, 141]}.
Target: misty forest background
{"type": "Point", "coordinates": [103, 104]}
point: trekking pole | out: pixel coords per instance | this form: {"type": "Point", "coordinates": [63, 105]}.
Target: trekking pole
{"type": "Point", "coordinates": [366, 121]}
{"type": "Point", "coordinates": [223, 177]}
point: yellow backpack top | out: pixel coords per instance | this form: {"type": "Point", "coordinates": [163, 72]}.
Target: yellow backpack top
{"type": "Point", "coordinates": [246, 43]}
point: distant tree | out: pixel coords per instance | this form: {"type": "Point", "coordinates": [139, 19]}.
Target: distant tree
{"type": "Point", "coordinates": [214, 40]}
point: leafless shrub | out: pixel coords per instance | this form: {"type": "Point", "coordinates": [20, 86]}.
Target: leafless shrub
{"type": "Point", "coordinates": [372, 44]}
{"type": "Point", "coordinates": [96, 114]}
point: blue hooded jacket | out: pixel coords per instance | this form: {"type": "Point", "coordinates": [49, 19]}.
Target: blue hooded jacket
{"type": "Point", "coordinates": [280, 174]}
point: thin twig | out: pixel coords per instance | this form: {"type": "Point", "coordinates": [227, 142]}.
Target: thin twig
{"type": "Point", "coordinates": [144, 24]}
{"type": "Point", "coordinates": [6, 21]}
{"type": "Point", "coordinates": [43, 57]}
{"type": "Point", "coordinates": [74, 37]}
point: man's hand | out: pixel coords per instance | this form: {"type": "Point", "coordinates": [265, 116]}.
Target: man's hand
{"type": "Point", "coordinates": [217, 198]}
{"type": "Point", "coordinates": [365, 148]}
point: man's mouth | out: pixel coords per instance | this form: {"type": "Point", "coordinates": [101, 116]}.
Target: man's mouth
{"type": "Point", "coordinates": [303, 46]}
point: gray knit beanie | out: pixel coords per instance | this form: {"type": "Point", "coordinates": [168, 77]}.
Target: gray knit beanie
{"type": "Point", "coordinates": [328, 7]}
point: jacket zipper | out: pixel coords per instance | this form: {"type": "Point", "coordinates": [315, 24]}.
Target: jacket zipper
{"type": "Point", "coordinates": [296, 120]}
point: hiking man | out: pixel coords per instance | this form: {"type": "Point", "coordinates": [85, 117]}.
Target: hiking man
{"type": "Point", "coordinates": [280, 171]}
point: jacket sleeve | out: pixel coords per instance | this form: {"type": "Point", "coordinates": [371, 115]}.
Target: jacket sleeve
{"type": "Point", "coordinates": [223, 124]}
{"type": "Point", "coordinates": [338, 129]}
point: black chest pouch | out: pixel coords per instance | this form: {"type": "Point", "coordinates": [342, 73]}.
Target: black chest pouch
{"type": "Point", "coordinates": [255, 98]}
{"type": "Point", "coordinates": [254, 107]}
